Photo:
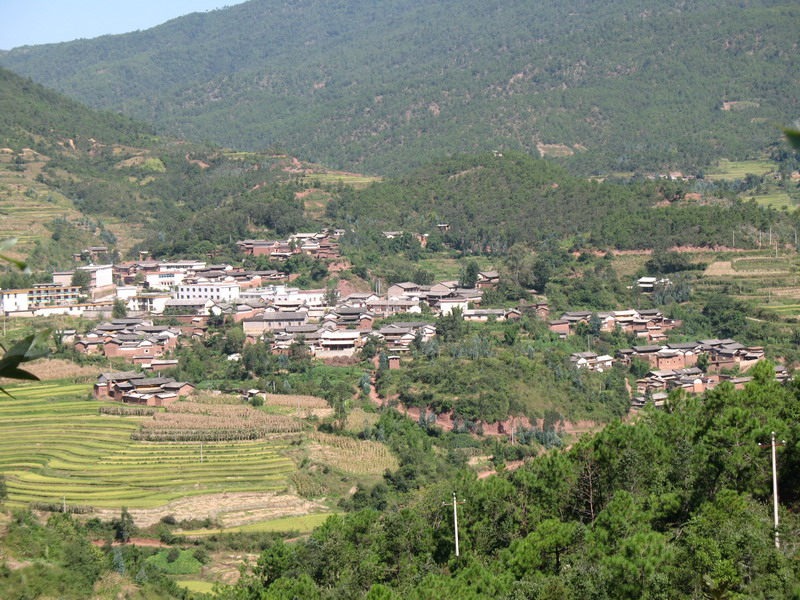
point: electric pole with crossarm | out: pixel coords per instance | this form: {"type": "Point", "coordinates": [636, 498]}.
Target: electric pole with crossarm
{"type": "Point", "coordinates": [455, 518]}
{"type": "Point", "coordinates": [773, 445]}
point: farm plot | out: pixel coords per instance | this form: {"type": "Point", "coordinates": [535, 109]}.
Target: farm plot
{"type": "Point", "coordinates": [786, 310]}
{"type": "Point", "coordinates": [362, 457]}
{"type": "Point", "coordinates": [56, 447]}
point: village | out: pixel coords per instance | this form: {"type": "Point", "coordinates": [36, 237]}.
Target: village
{"type": "Point", "coordinates": [167, 303]}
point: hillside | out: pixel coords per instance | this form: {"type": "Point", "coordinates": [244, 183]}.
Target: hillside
{"type": "Point", "coordinates": [492, 201]}
{"type": "Point", "coordinates": [384, 85]}
{"type": "Point", "coordinates": [73, 177]}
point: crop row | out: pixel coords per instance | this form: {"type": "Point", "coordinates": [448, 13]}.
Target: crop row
{"type": "Point", "coordinates": [201, 435]}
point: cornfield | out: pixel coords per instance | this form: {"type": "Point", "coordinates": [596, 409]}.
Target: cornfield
{"type": "Point", "coordinates": [351, 455]}
{"type": "Point", "coordinates": [293, 401]}
{"type": "Point", "coordinates": [209, 398]}
{"type": "Point", "coordinates": [190, 421]}
{"type": "Point", "coordinates": [127, 411]}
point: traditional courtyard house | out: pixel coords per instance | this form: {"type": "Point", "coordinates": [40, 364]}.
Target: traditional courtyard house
{"type": "Point", "coordinates": [339, 343]}
{"type": "Point", "coordinates": [482, 315]}
{"type": "Point", "coordinates": [258, 247]}
{"type": "Point", "coordinates": [591, 361]}
{"type": "Point", "coordinates": [384, 308]}
{"type": "Point", "coordinates": [670, 359]}
{"type": "Point", "coordinates": [359, 300]}
{"type": "Point", "coordinates": [89, 345]}
{"type": "Point", "coordinates": [559, 326]}
{"type": "Point", "coordinates": [254, 327]}
{"type": "Point", "coordinates": [488, 279]}
{"type": "Point", "coordinates": [162, 364]}
{"type": "Point", "coordinates": [347, 317]}
{"type": "Point", "coordinates": [444, 286]}
{"type": "Point", "coordinates": [473, 295]}
{"type": "Point", "coordinates": [104, 386]}
{"type": "Point", "coordinates": [196, 306]}
{"type": "Point", "coordinates": [575, 317]}
{"type": "Point", "coordinates": [398, 339]}
{"type": "Point", "coordinates": [405, 289]}
{"type": "Point", "coordinates": [648, 353]}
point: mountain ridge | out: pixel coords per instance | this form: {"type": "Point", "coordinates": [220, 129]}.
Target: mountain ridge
{"type": "Point", "coordinates": [384, 86]}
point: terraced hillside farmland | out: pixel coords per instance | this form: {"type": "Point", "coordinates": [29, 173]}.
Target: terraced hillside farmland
{"type": "Point", "coordinates": [56, 447]}
{"type": "Point", "coordinates": [25, 204]}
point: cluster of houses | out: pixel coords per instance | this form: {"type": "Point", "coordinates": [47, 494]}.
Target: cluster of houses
{"type": "Point", "coordinates": [650, 324]}
{"type": "Point", "coordinates": [339, 330]}
{"type": "Point", "coordinates": [323, 245]}
{"type": "Point", "coordinates": [131, 387]}
{"type": "Point", "coordinates": [675, 365]}
{"type": "Point", "coordinates": [135, 339]}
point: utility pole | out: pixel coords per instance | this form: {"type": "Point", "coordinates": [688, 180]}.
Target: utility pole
{"type": "Point", "coordinates": [773, 445]}
{"type": "Point", "coordinates": [455, 519]}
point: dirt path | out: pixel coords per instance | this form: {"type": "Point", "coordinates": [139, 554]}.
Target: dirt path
{"type": "Point", "coordinates": [510, 466]}
{"type": "Point", "coordinates": [135, 541]}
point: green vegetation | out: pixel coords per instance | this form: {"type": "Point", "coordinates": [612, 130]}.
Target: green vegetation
{"type": "Point", "coordinates": [727, 169]}
{"type": "Point", "coordinates": [674, 505]}
{"type": "Point", "coordinates": [493, 202]}
{"type": "Point", "coordinates": [176, 562]}
{"type": "Point", "coordinates": [301, 524]}
{"type": "Point", "coordinates": [381, 86]}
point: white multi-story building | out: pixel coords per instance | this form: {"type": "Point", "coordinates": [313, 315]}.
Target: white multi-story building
{"type": "Point", "coordinates": [208, 291]}
{"type": "Point", "coordinates": [101, 277]}
{"type": "Point", "coordinates": [40, 295]}
{"type": "Point", "coordinates": [182, 265]}
{"type": "Point", "coordinates": [164, 280]}
{"type": "Point", "coordinates": [151, 302]}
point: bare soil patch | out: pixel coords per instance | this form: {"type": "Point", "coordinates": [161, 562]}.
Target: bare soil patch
{"type": "Point", "coordinates": [229, 509]}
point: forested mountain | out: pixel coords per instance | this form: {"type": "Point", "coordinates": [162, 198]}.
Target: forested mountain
{"type": "Point", "coordinates": [34, 116]}
{"type": "Point", "coordinates": [495, 200]}
{"type": "Point", "coordinates": [385, 84]}
{"type": "Point", "coordinates": [67, 171]}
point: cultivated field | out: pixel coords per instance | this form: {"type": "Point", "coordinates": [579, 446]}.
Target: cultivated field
{"type": "Point", "coordinates": [56, 447]}
{"type": "Point", "coordinates": [25, 204]}
{"type": "Point", "coordinates": [362, 457]}
{"type": "Point", "coordinates": [727, 169]}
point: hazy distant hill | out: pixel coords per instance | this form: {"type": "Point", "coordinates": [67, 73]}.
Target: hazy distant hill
{"type": "Point", "coordinates": [386, 84]}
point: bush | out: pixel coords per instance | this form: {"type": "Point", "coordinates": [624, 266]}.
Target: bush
{"type": "Point", "coordinates": [175, 561]}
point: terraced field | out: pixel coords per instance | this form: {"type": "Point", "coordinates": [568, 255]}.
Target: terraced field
{"type": "Point", "coordinates": [55, 446]}
{"type": "Point", "coordinates": [786, 310]}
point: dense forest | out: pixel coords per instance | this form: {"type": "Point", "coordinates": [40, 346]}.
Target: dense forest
{"type": "Point", "coordinates": [495, 200]}
{"type": "Point", "coordinates": [382, 86]}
